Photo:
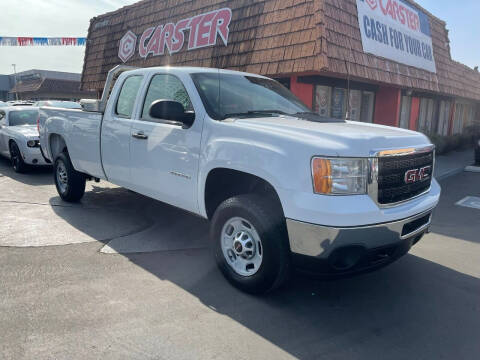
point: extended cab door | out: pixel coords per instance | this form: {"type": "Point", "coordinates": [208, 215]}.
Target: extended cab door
{"type": "Point", "coordinates": [164, 157]}
{"type": "Point", "coordinates": [116, 130]}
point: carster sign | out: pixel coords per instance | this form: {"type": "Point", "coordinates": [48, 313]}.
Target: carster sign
{"type": "Point", "coordinates": [395, 30]}
{"type": "Point", "coordinates": [202, 31]}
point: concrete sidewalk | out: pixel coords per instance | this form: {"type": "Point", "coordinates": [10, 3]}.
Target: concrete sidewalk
{"type": "Point", "coordinates": [453, 163]}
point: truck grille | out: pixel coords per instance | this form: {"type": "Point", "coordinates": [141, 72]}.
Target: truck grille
{"type": "Point", "coordinates": [392, 184]}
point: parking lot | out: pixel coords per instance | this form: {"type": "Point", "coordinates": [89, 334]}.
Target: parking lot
{"type": "Point", "coordinates": [123, 276]}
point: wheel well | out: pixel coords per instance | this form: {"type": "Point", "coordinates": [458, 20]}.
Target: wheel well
{"type": "Point", "coordinates": [57, 145]}
{"type": "Point", "coordinates": [223, 184]}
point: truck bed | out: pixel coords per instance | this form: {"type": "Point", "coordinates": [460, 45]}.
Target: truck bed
{"type": "Point", "coordinates": [80, 130]}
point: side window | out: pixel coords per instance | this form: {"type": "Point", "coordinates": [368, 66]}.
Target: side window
{"type": "Point", "coordinates": [128, 95]}
{"type": "Point", "coordinates": [165, 87]}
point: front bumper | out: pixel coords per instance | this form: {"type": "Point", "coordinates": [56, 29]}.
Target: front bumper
{"type": "Point", "coordinates": [33, 156]}
{"type": "Point", "coordinates": [348, 249]}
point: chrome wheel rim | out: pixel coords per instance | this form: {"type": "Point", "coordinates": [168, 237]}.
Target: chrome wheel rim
{"type": "Point", "coordinates": [241, 246]}
{"type": "Point", "coordinates": [62, 177]}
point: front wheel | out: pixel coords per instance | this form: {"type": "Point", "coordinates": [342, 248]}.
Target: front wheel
{"type": "Point", "coordinates": [69, 182]}
{"type": "Point", "coordinates": [250, 243]}
{"type": "Point", "coordinates": [16, 158]}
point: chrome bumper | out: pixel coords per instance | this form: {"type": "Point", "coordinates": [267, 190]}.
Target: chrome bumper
{"type": "Point", "coordinates": [320, 241]}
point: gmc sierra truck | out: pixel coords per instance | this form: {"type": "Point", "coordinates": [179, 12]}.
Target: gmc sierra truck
{"type": "Point", "coordinates": [283, 188]}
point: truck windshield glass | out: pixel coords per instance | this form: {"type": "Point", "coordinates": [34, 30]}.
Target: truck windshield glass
{"type": "Point", "coordinates": [165, 87]}
{"type": "Point", "coordinates": [231, 95]}
{"type": "Point", "coordinates": [26, 117]}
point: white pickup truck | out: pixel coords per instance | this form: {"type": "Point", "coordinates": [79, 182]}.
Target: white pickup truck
{"type": "Point", "coordinates": [283, 187]}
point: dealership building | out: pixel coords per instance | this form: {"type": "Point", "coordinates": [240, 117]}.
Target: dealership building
{"type": "Point", "coordinates": [380, 61]}
{"type": "Point", "coordinates": [42, 85]}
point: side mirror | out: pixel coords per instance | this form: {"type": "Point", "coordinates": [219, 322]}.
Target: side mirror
{"type": "Point", "coordinates": [172, 111]}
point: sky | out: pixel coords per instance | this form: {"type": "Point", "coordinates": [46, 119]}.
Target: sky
{"type": "Point", "coordinates": [71, 18]}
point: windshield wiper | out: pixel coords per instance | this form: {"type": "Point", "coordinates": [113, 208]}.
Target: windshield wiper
{"type": "Point", "coordinates": [313, 116]}
{"type": "Point", "coordinates": [306, 113]}
{"type": "Point", "coordinates": [255, 112]}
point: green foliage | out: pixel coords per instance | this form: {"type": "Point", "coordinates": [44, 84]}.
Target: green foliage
{"type": "Point", "coordinates": [445, 144]}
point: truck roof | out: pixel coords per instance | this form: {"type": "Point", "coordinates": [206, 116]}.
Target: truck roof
{"type": "Point", "coordinates": [190, 70]}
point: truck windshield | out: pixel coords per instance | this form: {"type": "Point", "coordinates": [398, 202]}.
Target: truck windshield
{"type": "Point", "coordinates": [23, 117]}
{"type": "Point", "coordinates": [231, 95]}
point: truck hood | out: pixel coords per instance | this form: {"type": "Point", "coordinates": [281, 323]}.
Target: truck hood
{"type": "Point", "coordinates": [348, 138]}
{"type": "Point", "coordinates": [29, 131]}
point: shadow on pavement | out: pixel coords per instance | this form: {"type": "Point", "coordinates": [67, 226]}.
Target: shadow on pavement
{"type": "Point", "coordinates": [453, 220]}
{"type": "Point", "coordinates": [413, 309]}
{"type": "Point", "coordinates": [35, 176]}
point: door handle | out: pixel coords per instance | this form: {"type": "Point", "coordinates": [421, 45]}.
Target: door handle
{"type": "Point", "coordinates": [140, 135]}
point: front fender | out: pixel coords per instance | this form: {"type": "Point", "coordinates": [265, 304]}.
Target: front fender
{"type": "Point", "coordinates": [19, 139]}
{"type": "Point", "coordinates": [256, 158]}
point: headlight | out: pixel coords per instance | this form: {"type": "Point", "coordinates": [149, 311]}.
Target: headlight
{"type": "Point", "coordinates": [337, 176]}
{"type": "Point", "coordinates": [33, 143]}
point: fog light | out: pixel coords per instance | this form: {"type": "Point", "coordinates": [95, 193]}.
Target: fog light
{"type": "Point", "coordinates": [33, 143]}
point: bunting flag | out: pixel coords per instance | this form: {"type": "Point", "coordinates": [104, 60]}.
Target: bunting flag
{"type": "Point", "coordinates": [42, 41]}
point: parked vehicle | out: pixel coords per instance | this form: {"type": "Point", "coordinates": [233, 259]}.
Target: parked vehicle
{"type": "Point", "coordinates": [19, 137]}
{"type": "Point", "coordinates": [3, 104]}
{"type": "Point", "coordinates": [58, 104]}
{"type": "Point", "coordinates": [21, 103]}
{"type": "Point", "coordinates": [281, 186]}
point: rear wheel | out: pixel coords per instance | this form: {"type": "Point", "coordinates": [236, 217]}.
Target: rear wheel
{"type": "Point", "coordinates": [69, 182]}
{"type": "Point", "coordinates": [250, 243]}
{"type": "Point", "coordinates": [16, 158]}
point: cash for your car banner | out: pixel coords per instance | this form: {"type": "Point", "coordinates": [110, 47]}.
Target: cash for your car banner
{"type": "Point", "coordinates": [397, 31]}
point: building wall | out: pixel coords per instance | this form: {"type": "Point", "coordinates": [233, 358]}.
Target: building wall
{"type": "Point", "coordinates": [343, 44]}
{"type": "Point", "coordinates": [288, 39]}
{"type": "Point", "coordinates": [303, 91]}
{"type": "Point", "coordinates": [269, 37]}
{"type": "Point", "coordinates": [414, 112]}
{"type": "Point", "coordinates": [387, 106]}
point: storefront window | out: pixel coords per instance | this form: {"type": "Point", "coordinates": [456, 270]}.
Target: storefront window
{"type": "Point", "coordinates": [464, 116]}
{"type": "Point", "coordinates": [339, 98]}
{"type": "Point", "coordinates": [427, 115]}
{"type": "Point", "coordinates": [457, 121]}
{"type": "Point", "coordinates": [443, 117]}
{"type": "Point", "coordinates": [368, 100]}
{"type": "Point", "coordinates": [355, 105]}
{"type": "Point", "coordinates": [332, 102]}
{"type": "Point", "coordinates": [323, 100]}
{"type": "Point", "coordinates": [405, 112]}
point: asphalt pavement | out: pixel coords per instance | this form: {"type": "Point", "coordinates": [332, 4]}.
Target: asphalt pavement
{"type": "Point", "coordinates": [120, 276]}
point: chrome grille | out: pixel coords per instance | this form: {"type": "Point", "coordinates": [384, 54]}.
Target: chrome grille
{"type": "Point", "coordinates": [392, 187]}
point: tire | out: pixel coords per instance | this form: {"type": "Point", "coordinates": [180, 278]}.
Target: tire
{"type": "Point", "coordinates": [266, 222]}
{"type": "Point", "coordinates": [18, 164]}
{"type": "Point", "coordinates": [69, 182]}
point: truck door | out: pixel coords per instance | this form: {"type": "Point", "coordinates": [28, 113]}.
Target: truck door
{"type": "Point", "coordinates": [164, 156]}
{"type": "Point", "coordinates": [116, 132]}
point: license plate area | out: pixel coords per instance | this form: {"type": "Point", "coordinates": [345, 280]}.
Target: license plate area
{"type": "Point", "coordinates": [414, 226]}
